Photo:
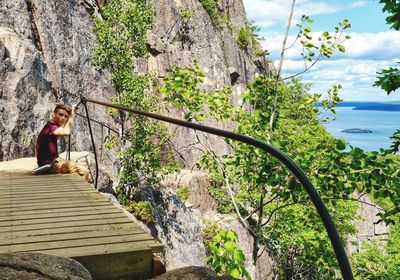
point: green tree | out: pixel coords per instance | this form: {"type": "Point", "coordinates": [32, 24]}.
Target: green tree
{"type": "Point", "coordinates": [258, 188]}
{"type": "Point", "coordinates": [121, 40]}
{"type": "Point", "coordinates": [389, 79]}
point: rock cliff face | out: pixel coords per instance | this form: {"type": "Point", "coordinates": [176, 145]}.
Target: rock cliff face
{"type": "Point", "coordinates": [44, 50]}
{"type": "Point", "coordinates": [44, 58]}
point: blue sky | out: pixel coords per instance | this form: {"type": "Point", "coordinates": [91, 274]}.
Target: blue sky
{"type": "Point", "coordinates": [373, 45]}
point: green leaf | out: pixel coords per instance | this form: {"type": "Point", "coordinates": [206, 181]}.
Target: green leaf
{"type": "Point", "coordinates": [231, 234]}
{"type": "Point", "coordinates": [234, 273]}
{"type": "Point", "coordinates": [229, 247]}
{"type": "Point", "coordinates": [341, 48]}
{"type": "Point", "coordinates": [340, 145]}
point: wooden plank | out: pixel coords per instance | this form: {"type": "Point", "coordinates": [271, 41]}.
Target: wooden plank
{"type": "Point", "coordinates": [47, 193]}
{"type": "Point", "coordinates": [30, 189]}
{"type": "Point", "coordinates": [93, 250]}
{"type": "Point", "coordinates": [54, 201]}
{"type": "Point", "coordinates": [54, 220]}
{"type": "Point", "coordinates": [44, 199]}
{"type": "Point", "coordinates": [12, 239]}
{"type": "Point", "coordinates": [55, 205]}
{"type": "Point", "coordinates": [72, 229]}
{"type": "Point", "coordinates": [63, 225]}
{"type": "Point", "coordinates": [52, 214]}
{"type": "Point", "coordinates": [51, 193]}
{"type": "Point", "coordinates": [39, 182]}
{"type": "Point", "coordinates": [83, 193]}
{"type": "Point", "coordinates": [83, 242]}
{"type": "Point", "coordinates": [36, 184]}
{"type": "Point", "coordinates": [27, 212]}
{"type": "Point", "coordinates": [156, 247]}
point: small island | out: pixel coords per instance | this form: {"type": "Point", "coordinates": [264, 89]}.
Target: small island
{"type": "Point", "coordinates": [356, 130]}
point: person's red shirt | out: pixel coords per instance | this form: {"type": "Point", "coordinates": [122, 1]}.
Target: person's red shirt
{"type": "Point", "coordinates": [46, 145]}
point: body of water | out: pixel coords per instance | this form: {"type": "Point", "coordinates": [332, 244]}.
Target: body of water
{"type": "Point", "coordinates": [382, 124]}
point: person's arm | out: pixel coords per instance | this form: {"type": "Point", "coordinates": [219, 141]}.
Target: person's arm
{"type": "Point", "coordinates": [67, 129]}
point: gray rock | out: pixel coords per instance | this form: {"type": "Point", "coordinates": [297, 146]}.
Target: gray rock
{"type": "Point", "coordinates": [2, 52]}
{"type": "Point", "coordinates": [37, 266]}
{"type": "Point", "coordinates": [49, 48]}
{"type": "Point", "coordinates": [176, 226]}
{"type": "Point", "coordinates": [192, 273]}
{"type": "Point", "coordinates": [155, 44]}
{"type": "Point", "coordinates": [368, 227]}
{"type": "Point", "coordinates": [356, 130]}
{"type": "Point", "coordinates": [233, 74]}
{"type": "Point", "coordinates": [197, 182]}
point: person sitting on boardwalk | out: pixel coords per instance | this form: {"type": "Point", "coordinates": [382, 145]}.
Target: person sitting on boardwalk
{"type": "Point", "coordinates": [46, 144]}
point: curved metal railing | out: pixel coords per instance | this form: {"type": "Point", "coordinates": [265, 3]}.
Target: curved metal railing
{"type": "Point", "coordinates": [281, 156]}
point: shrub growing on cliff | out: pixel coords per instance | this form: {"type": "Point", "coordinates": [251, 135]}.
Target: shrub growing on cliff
{"type": "Point", "coordinates": [211, 7]}
{"type": "Point", "coordinates": [183, 193]}
{"type": "Point", "coordinates": [250, 33]}
{"type": "Point", "coordinates": [142, 210]}
{"type": "Point", "coordinates": [210, 230]}
{"type": "Point", "coordinates": [243, 37]}
{"type": "Point", "coordinates": [121, 39]}
{"type": "Point", "coordinates": [226, 257]}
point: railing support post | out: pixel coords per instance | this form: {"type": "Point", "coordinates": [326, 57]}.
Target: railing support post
{"type": "Point", "coordinates": [83, 101]}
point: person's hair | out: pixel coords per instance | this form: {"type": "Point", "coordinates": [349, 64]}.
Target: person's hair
{"type": "Point", "coordinates": [65, 107]}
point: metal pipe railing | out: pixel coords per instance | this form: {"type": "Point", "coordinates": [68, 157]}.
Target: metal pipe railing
{"type": "Point", "coordinates": [281, 156]}
{"type": "Point", "coordinates": [83, 101]}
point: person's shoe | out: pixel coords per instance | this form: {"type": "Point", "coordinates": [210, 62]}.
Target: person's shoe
{"type": "Point", "coordinates": [42, 169]}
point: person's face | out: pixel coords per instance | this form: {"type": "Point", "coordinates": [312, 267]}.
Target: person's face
{"type": "Point", "coordinates": [60, 117]}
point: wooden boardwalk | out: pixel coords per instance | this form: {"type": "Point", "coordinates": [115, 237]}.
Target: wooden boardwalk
{"type": "Point", "coordinates": [63, 215]}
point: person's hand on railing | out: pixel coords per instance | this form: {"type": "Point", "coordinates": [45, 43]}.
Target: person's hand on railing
{"type": "Point", "coordinates": [75, 107]}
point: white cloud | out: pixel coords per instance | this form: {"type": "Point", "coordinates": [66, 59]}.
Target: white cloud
{"type": "Point", "coordinates": [377, 46]}
{"type": "Point", "coordinates": [268, 13]}
{"type": "Point", "coordinates": [356, 77]}
{"type": "Point", "coordinates": [382, 45]}
{"type": "Point", "coordinates": [357, 4]}
{"type": "Point", "coordinates": [366, 53]}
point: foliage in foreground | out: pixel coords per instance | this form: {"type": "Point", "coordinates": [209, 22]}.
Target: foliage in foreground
{"type": "Point", "coordinates": [389, 79]}
{"type": "Point", "coordinates": [267, 198]}
{"type": "Point", "coordinates": [121, 39]}
{"type": "Point", "coordinates": [226, 257]}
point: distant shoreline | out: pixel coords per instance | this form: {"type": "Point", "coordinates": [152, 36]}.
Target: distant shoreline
{"type": "Point", "coordinates": [377, 106]}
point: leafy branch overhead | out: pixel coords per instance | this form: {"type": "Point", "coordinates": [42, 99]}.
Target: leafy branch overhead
{"type": "Point", "coordinates": [393, 8]}
{"type": "Point", "coordinates": [328, 42]}
{"type": "Point", "coordinates": [388, 79]}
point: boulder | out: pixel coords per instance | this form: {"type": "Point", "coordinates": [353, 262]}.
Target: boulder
{"type": "Point", "coordinates": [192, 273]}
{"type": "Point", "coordinates": [38, 266]}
